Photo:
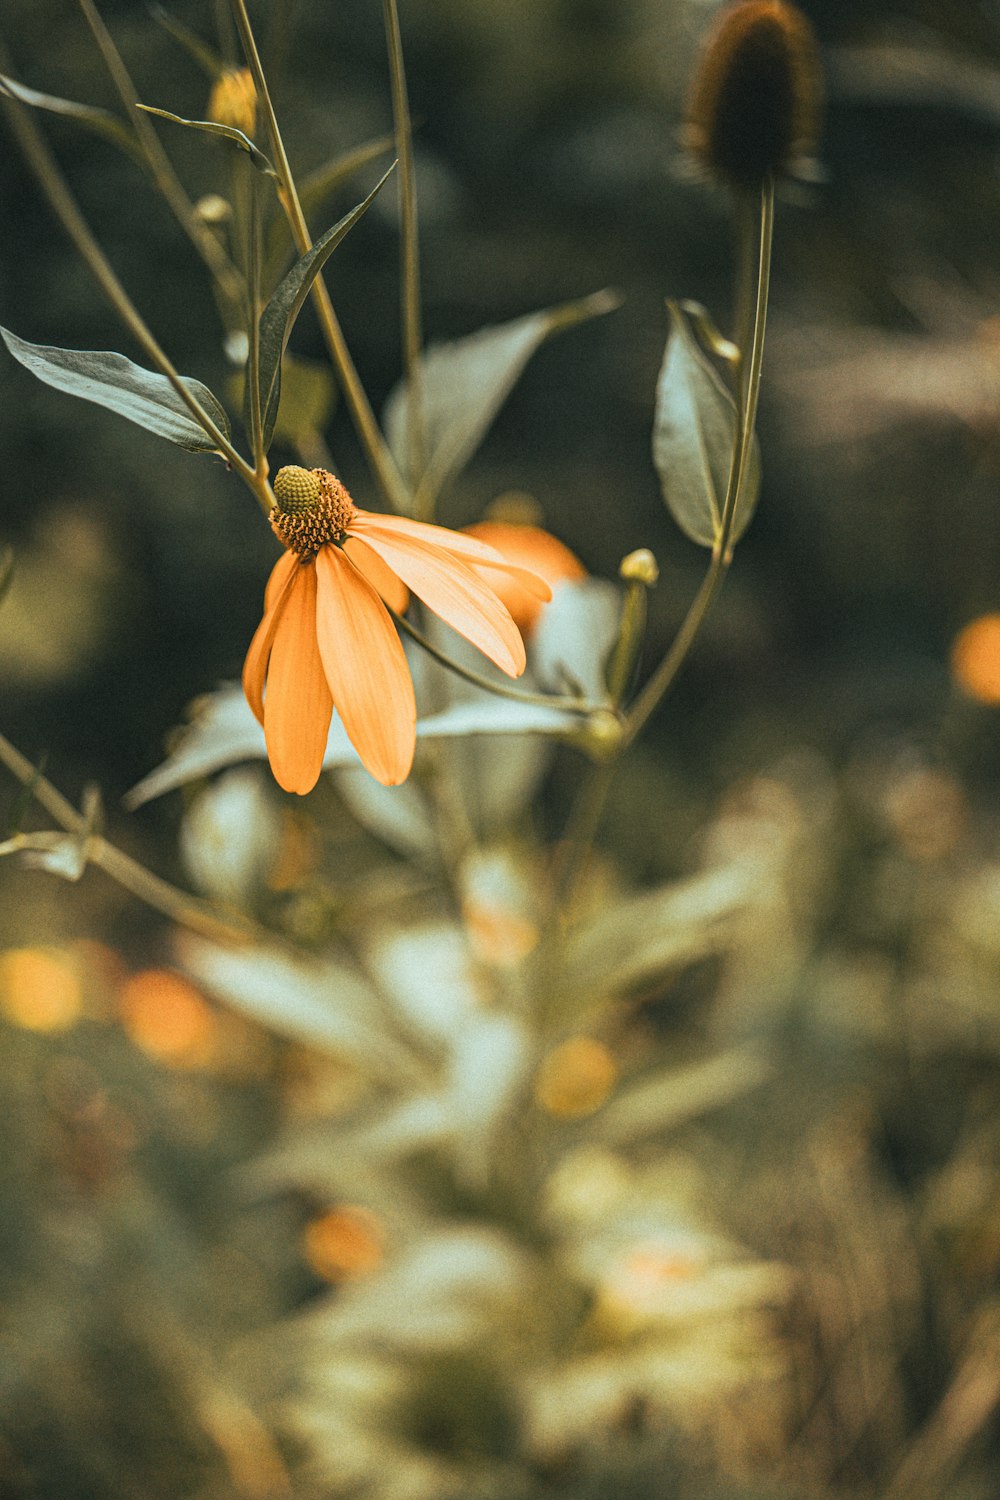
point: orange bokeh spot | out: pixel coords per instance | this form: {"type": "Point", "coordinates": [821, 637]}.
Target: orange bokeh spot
{"type": "Point", "coordinates": [575, 1078]}
{"type": "Point", "coordinates": [167, 1018]}
{"type": "Point", "coordinates": [528, 547]}
{"type": "Point", "coordinates": [40, 989]}
{"type": "Point", "coordinates": [975, 659]}
{"type": "Point", "coordinates": [344, 1243]}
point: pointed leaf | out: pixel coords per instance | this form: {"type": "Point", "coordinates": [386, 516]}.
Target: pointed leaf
{"type": "Point", "coordinates": [314, 192]}
{"type": "Point", "coordinates": [278, 317]}
{"type": "Point", "coordinates": [108, 379]}
{"type": "Point", "coordinates": [666, 1098]}
{"type": "Point", "coordinates": [465, 383]}
{"type": "Point", "coordinates": [101, 121]}
{"type": "Point", "coordinates": [694, 432]}
{"type": "Point", "coordinates": [227, 132]}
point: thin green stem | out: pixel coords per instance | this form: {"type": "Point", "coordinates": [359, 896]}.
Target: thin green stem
{"type": "Point", "coordinates": [409, 249]}
{"type": "Point", "coordinates": [379, 457]}
{"type": "Point", "coordinates": [499, 689]}
{"type": "Point", "coordinates": [747, 392]}
{"type": "Point", "coordinates": [253, 320]}
{"type": "Point", "coordinates": [573, 852]}
{"type": "Point", "coordinates": [68, 213]}
{"type": "Point", "coordinates": [156, 893]}
{"type": "Point", "coordinates": [159, 165]}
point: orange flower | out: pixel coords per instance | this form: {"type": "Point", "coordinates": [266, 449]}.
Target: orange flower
{"type": "Point", "coordinates": [327, 639]}
{"type": "Point", "coordinates": [530, 547]}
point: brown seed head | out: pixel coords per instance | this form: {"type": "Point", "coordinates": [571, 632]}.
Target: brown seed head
{"type": "Point", "coordinates": [755, 103]}
{"type": "Point", "coordinates": [312, 509]}
{"type": "Point", "coordinates": [233, 100]}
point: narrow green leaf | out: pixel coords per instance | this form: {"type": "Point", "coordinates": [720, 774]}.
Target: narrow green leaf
{"type": "Point", "coordinates": [210, 62]}
{"type": "Point", "coordinates": [465, 383]}
{"type": "Point", "coordinates": [315, 191]}
{"type": "Point", "coordinates": [278, 317]}
{"type": "Point", "coordinates": [101, 121]}
{"type": "Point", "coordinates": [227, 132]}
{"type": "Point", "coordinates": [109, 379]}
{"type": "Point", "coordinates": [668, 1097]}
{"type": "Point", "coordinates": [694, 432]}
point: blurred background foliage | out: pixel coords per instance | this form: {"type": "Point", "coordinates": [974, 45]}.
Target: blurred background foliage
{"type": "Point", "coordinates": [234, 1265]}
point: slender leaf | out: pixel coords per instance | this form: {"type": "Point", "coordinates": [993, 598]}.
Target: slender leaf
{"type": "Point", "coordinates": [101, 121]}
{"type": "Point", "coordinates": [668, 1097]}
{"type": "Point", "coordinates": [109, 379]}
{"type": "Point", "coordinates": [315, 190]}
{"type": "Point", "coordinates": [465, 383]}
{"type": "Point", "coordinates": [694, 434]}
{"type": "Point", "coordinates": [278, 317]}
{"type": "Point", "coordinates": [227, 132]}
{"type": "Point", "coordinates": [210, 62]}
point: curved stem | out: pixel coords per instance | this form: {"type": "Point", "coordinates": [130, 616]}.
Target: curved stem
{"type": "Point", "coordinates": [499, 689]}
{"type": "Point", "coordinates": [156, 893]}
{"type": "Point", "coordinates": [67, 211]}
{"type": "Point", "coordinates": [747, 391]}
{"type": "Point", "coordinates": [374, 444]}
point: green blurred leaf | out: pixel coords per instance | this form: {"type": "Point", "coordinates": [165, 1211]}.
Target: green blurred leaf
{"type": "Point", "coordinates": [694, 432]}
{"type": "Point", "coordinates": [465, 383]}
{"type": "Point", "coordinates": [669, 1096]}
{"type": "Point", "coordinates": [324, 1003]}
{"type": "Point", "coordinates": [109, 379]}
{"type": "Point", "coordinates": [227, 132]}
{"type": "Point", "coordinates": [101, 121]}
{"type": "Point", "coordinates": [62, 854]}
{"type": "Point", "coordinates": [640, 940]}
{"type": "Point", "coordinates": [308, 398]}
{"type": "Point", "coordinates": [278, 317]}
{"type": "Point", "coordinates": [574, 637]}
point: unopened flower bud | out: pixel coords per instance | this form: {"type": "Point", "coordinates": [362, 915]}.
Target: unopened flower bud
{"type": "Point", "coordinates": [639, 566]}
{"type": "Point", "coordinates": [754, 107]}
{"type": "Point", "coordinates": [233, 100]}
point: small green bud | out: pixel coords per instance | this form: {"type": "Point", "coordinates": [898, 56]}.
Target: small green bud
{"type": "Point", "coordinates": [640, 566]}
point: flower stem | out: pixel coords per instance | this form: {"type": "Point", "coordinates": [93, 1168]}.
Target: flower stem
{"type": "Point", "coordinates": [753, 281]}
{"type": "Point", "coordinates": [409, 251]}
{"type": "Point", "coordinates": [161, 169]}
{"type": "Point", "coordinates": [499, 689]}
{"type": "Point", "coordinates": [748, 371]}
{"type": "Point", "coordinates": [374, 444]}
{"type": "Point", "coordinates": [67, 211]}
{"type": "Point", "coordinates": [156, 893]}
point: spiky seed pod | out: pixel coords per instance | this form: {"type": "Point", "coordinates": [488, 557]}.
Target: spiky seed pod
{"type": "Point", "coordinates": [755, 102]}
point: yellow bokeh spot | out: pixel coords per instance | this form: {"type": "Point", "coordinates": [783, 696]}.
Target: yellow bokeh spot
{"type": "Point", "coordinates": [575, 1078]}
{"type": "Point", "coordinates": [233, 101]}
{"type": "Point", "coordinates": [975, 659]}
{"type": "Point", "coordinates": [167, 1018]}
{"type": "Point", "coordinates": [499, 936]}
{"type": "Point", "coordinates": [343, 1244]}
{"type": "Point", "coordinates": [40, 989]}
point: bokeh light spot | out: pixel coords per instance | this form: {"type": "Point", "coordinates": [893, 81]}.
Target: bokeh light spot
{"type": "Point", "coordinates": [167, 1018]}
{"type": "Point", "coordinates": [975, 659]}
{"type": "Point", "coordinates": [575, 1078]}
{"type": "Point", "coordinates": [343, 1244]}
{"type": "Point", "coordinates": [40, 989]}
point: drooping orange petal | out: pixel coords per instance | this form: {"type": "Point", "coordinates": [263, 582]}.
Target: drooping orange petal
{"type": "Point", "coordinates": [366, 523]}
{"type": "Point", "coordinates": [451, 589]}
{"type": "Point", "coordinates": [287, 563]}
{"type": "Point", "coordinates": [298, 706]}
{"type": "Point", "coordinates": [279, 586]}
{"type": "Point", "coordinates": [365, 667]}
{"type": "Point", "coordinates": [390, 589]}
